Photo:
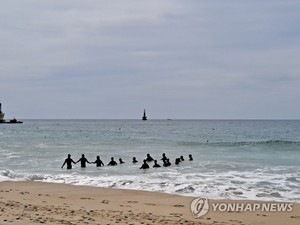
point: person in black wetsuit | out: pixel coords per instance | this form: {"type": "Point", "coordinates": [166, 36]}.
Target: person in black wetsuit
{"type": "Point", "coordinates": [149, 158]}
{"type": "Point", "coordinates": [112, 162]}
{"type": "Point", "coordinates": [134, 160]}
{"type": "Point", "coordinates": [98, 162]}
{"type": "Point", "coordinates": [181, 158]}
{"type": "Point", "coordinates": [145, 165]}
{"type": "Point", "coordinates": [121, 161]}
{"type": "Point", "coordinates": [177, 161]}
{"type": "Point", "coordinates": [164, 157]}
{"type": "Point", "coordinates": [69, 162]}
{"type": "Point", "coordinates": [190, 157]}
{"type": "Point", "coordinates": [83, 161]}
{"type": "Point", "coordinates": [156, 164]}
{"type": "Point", "coordinates": [167, 163]}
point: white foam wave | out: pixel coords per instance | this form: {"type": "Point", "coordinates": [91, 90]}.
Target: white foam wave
{"type": "Point", "coordinates": [231, 185]}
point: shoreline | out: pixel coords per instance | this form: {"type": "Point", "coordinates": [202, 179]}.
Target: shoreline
{"type": "Point", "coordinates": [30, 202]}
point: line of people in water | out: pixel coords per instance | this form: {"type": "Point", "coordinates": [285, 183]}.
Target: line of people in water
{"type": "Point", "coordinates": [83, 161]}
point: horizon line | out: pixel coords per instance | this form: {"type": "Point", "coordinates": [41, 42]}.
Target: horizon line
{"type": "Point", "coordinates": [157, 119]}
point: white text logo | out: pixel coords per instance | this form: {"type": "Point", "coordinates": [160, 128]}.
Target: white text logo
{"type": "Point", "coordinates": [201, 206]}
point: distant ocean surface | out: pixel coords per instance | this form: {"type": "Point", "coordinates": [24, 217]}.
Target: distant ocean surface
{"type": "Point", "coordinates": [233, 159]}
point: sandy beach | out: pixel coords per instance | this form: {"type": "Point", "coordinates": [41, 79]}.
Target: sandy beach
{"type": "Point", "coordinates": [48, 203]}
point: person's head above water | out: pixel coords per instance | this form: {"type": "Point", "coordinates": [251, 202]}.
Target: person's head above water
{"type": "Point", "coordinates": [69, 155]}
{"type": "Point", "coordinates": [112, 158]}
{"type": "Point", "coordinates": [164, 156]}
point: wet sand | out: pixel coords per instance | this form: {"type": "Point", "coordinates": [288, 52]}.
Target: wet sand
{"type": "Point", "coordinates": [47, 203]}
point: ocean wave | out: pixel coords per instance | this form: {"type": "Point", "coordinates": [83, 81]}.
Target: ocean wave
{"type": "Point", "coordinates": [243, 185]}
{"type": "Point", "coordinates": [9, 175]}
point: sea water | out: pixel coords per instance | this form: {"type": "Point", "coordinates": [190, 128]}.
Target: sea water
{"type": "Point", "coordinates": [233, 159]}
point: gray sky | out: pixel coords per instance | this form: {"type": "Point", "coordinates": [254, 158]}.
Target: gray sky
{"type": "Point", "coordinates": [184, 59]}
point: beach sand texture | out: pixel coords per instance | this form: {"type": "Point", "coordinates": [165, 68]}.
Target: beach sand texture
{"type": "Point", "coordinates": [48, 203]}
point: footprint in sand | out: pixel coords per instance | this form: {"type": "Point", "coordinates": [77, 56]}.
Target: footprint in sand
{"type": "Point", "coordinates": [132, 201]}
{"type": "Point", "coordinates": [178, 206]}
{"type": "Point", "coordinates": [150, 204]}
{"type": "Point", "coordinates": [176, 214]}
{"type": "Point", "coordinates": [105, 202]}
{"type": "Point", "coordinates": [128, 206]}
{"type": "Point", "coordinates": [295, 217]}
{"type": "Point", "coordinates": [86, 198]}
{"type": "Point", "coordinates": [237, 221]}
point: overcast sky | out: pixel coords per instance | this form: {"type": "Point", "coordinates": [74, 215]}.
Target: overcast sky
{"type": "Point", "coordinates": [187, 59]}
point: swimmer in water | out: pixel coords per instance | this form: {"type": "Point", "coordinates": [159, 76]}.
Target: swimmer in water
{"type": "Point", "coordinates": [177, 161]}
{"type": "Point", "coordinates": [167, 163]}
{"type": "Point", "coordinates": [69, 162]}
{"type": "Point", "coordinates": [134, 160]}
{"type": "Point", "coordinates": [83, 161]}
{"type": "Point", "coordinates": [98, 162]}
{"type": "Point", "coordinates": [112, 162]}
{"type": "Point", "coordinates": [164, 157]}
{"type": "Point", "coordinates": [149, 158]}
{"type": "Point", "coordinates": [145, 165]}
{"type": "Point", "coordinates": [156, 165]}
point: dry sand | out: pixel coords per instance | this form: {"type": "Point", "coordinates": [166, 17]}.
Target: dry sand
{"type": "Point", "coordinates": [45, 203]}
